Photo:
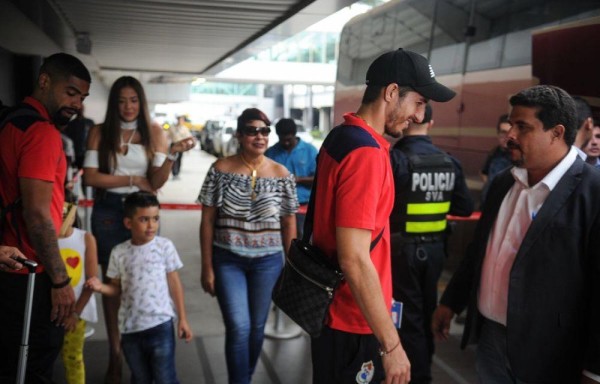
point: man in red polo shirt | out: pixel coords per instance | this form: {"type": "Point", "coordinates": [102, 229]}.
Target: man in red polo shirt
{"type": "Point", "coordinates": [32, 170]}
{"type": "Point", "coordinates": [354, 199]}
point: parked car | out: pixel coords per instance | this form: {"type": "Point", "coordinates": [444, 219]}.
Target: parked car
{"type": "Point", "coordinates": [163, 119]}
{"type": "Point", "coordinates": [194, 127]}
{"type": "Point", "coordinates": [232, 147]}
{"type": "Point", "coordinates": [223, 136]}
{"type": "Point", "coordinates": [208, 133]}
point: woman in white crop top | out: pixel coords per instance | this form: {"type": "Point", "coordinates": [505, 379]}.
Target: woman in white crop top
{"type": "Point", "coordinates": [126, 153]}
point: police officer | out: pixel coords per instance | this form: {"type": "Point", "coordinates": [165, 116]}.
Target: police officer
{"type": "Point", "coordinates": [429, 184]}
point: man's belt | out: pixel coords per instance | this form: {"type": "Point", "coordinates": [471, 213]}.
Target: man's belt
{"type": "Point", "coordinates": [424, 238]}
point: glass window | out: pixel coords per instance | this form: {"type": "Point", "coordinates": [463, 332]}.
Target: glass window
{"type": "Point", "coordinates": [239, 89]}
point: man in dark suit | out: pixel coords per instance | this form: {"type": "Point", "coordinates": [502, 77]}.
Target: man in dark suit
{"type": "Point", "coordinates": [531, 277]}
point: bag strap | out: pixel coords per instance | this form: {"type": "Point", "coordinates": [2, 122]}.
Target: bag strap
{"type": "Point", "coordinates": [376, 240]}
{"type": "Point", "coordinates": [310, 210]}
{"type": "Point", "coordinates": [18, 111]}
{"type": "Point", "coordinates": [310, 214]}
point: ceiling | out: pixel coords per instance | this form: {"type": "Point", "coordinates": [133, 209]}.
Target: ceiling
{"type": "Point", "coordinates": [157, 39]}
{"type": "Point", "coordinates": [498, 32]}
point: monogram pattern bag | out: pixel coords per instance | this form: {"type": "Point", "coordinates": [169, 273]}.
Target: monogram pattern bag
{"type": "Point", "coordinates": [306, 286]}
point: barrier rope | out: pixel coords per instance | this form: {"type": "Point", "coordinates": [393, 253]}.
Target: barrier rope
{"type": "Point", "coordinates": [88, 203]}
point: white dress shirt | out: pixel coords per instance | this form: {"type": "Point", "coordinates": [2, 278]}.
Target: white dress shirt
{"type": "Point", "coordinates": [519, 208]}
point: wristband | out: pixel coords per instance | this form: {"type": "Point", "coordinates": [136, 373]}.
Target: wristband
{"type": "Point", "coordinates": [172, 156]}
{"type": "Point", "coordinates": [61, 284]}
{"type": "Point", "coordinates": [383, 353]}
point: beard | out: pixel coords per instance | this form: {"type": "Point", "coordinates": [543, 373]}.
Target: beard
{"type": "Point", "coordinates": [392, 125]}
{"type": "Point", "coordinates": [392, 133]}
{"type": "Point", "coordinates": [60, 119]}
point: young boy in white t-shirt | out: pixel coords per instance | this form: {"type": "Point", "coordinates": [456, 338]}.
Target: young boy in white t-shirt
{"type": "Point", "coordinates": [143, 271]}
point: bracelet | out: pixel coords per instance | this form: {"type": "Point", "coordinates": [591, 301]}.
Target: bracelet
{"type": "Point", "coordinates": [172, 156]}
{"type": "Point", "coordinates": [383, 353]}
{"type": "Point", "coordinates": [61, 284]}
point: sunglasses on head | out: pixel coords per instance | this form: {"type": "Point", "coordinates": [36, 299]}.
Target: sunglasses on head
{"type": "Point", "coordinates": [250, 130]}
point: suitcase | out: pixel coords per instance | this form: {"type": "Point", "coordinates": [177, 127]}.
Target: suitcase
{"type": "Point", "coordinates": [31, 266]}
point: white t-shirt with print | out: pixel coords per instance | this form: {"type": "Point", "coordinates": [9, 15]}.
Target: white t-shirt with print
{"type": "Point", "coordinates": [142, 269]}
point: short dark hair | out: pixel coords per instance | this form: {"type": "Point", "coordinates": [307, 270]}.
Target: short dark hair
{"type": "Point", "coordinates": [286, 127]}
{"type": "Point", "coordinates": [553, 106]}
{"type": "Point", "coordinates": [250, 114]}
{"type": "Point", "coordinates": [140, 199]}
{"type": "Point", "coordinates": [63, 65]}
{"type": "Point", "coordinates": [502, 120]}
{"type": "Point", "coordinates": [583, 109]}
{"type": "Point", "coordinates": [372, 92]}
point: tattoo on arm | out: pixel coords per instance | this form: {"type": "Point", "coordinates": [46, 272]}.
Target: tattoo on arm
{"type": "Point", "coordinates": [44, 241]}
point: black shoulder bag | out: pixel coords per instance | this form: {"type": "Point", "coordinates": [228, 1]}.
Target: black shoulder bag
{"type": "Point", "coordinates": [309, 279]}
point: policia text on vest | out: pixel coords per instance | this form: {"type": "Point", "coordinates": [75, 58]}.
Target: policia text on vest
{"type": "Point", "coordinates": [433, 178]}
{"type": "Point", "coordinates": [433, 184]}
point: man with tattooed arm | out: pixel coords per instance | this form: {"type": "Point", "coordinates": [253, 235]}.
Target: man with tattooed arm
{"type": "Point", "coordinates": [32, 173]}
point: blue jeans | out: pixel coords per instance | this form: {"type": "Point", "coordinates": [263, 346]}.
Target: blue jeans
{"type": "Point", "coordinates": [150, 354]}
{"type": "Point", "coordinates": [243, 287]}
{"type": "Point", "coordinates": [107, 224]}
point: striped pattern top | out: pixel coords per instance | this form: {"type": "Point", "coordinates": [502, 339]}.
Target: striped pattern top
{"type": "Point", "coordinates": [250, 228]}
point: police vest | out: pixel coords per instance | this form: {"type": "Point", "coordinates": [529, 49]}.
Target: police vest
{"type": "Point", "coordinates": [429, 193]}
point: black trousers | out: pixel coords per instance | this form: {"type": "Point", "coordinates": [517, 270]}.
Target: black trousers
{"type": "Point", "coordinates": [45, 338]}
{"type": "Point", "coordinates": [416, 269]}
{"type": "Point", "coordinates": [340, 358]}
{"type": "Point", "coordinates": [177, 164]}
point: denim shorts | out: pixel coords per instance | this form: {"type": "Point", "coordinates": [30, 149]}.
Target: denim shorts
{"type": "Point", "coordinates": [107, 224]}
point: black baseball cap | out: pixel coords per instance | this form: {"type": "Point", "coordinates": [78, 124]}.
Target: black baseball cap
{"type": "Point", "coordinates": [407, 68]}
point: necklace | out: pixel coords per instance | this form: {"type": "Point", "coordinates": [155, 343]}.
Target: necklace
{"type": "Point", "coordinates": [253, 174]}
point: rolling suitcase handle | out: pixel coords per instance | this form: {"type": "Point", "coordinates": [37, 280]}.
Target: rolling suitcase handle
{"type": "Point", "coordinates": [31, 266]}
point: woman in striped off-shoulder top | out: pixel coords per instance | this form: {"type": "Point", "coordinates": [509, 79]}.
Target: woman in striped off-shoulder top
{"type": "Point", "coordinates": [248, 222]}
